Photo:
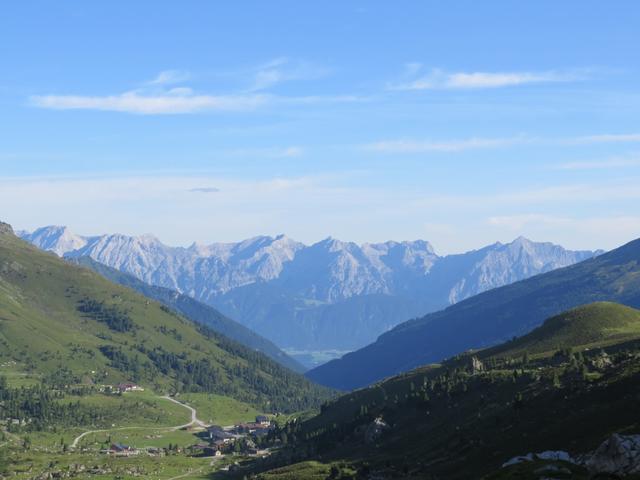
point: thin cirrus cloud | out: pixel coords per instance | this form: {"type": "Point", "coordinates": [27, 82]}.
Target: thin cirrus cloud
{"type": "Point", "coordinates": [174, 101]}
{"type": "Point", "coordinates": [622, 162]}
{"type": "Point", "coordinates": [163, 95]}
{"type": "Point", "coordinates": [178, 101]}
{"type": "Point", "coordinates": [281, 70]}
{"type": "Point", "coordinates": [436, 79]}
{"type": "Point", "coordinates": [303, 206]}
{"type": "Point", "coordinates": [618, 227]}
{"type": "Point", "coordinates": [408, 146]}
{"type": "Point", "coordinates": [424, 146]}
{"type": "Point", "coordinates": [204, 190]}
{"type": "Point", "coordinates": [169, 77]}
{"type": "Point", "coordinates": [606, 138]}
{"type": "Point", "coordinates": [292, 151]}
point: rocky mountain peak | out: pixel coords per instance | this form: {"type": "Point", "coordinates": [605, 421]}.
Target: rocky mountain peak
{"type": "Point", "coordinates": [56, 238]}
{"type": "Point", "coordinates": [148, 238]}
{"type": "Point", "coordinates": [521, 242]}
{"type": "Point", "coordinates": [382, 283]}
{"type": "Point", "coordinates": [5, 228]}
{"type": "Point", "coordinates": [331, 244]}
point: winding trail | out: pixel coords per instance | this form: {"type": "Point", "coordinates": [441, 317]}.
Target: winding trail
{"type": "Point", "coordinates": [74, 444]}
{"type": "Point", "coordinates": [194, 421]}
{"type": "Point", "coordinates": [194, 414]}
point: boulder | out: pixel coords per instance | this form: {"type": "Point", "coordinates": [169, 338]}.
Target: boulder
{"type": "Point", "coordinates": [618, 455]}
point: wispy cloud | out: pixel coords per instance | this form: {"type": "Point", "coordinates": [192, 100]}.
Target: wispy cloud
{"type": "Point", "coordinates": [606, 138]}
{"type": "Point", "coordinates": [615, 162]}
{"type": "Point", "coordinates": [414, 146]}
{"type": "Point", "coordinates": [519, 221]}
{"type": "Point", "coordinates": [281, 70]}
{"type": "Point", "coordinates": [416, 79]}
{"type": "Point", "coordinates": [204, 190]}
{"type": "Point", "coordinates": [291, 152]}
{"type": "Point", "coordinates": [160, 96]}
{"type": "Point", "coordinates": [169, 77]}
{"type": "Point", "coordinates": [612, 229]}
{"type": "Point", "coordinates": [164, 95]}
{"type": "Point", "coordinates": [175, 101]}
{"type": "Point", "coordinates": [565, 194]}
{"type": "Point", "coordinates": [269, 152]}
{"type": "Point", "coordinates": [305, 207]}
{"type": "Point", "coordinates": [423, 146]}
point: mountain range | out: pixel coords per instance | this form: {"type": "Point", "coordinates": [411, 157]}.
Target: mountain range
{"type": "Point", "coordinates": [66, 324]}
{"type": "Point", "coordinates": [489, 318]}
{"type": "Point", "coordinates": [331, 295]}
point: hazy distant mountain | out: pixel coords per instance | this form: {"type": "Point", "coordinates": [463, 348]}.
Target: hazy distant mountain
{"type": "Point", "coordinates": [59, 240]}
{"type": "Point", "coordinates": [329, 295]}
{"type": "Point", "coordinates": [489, 318]}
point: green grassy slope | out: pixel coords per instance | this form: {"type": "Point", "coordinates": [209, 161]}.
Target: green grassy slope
{"type": "Point", "coordinates": [456, 422]}
{"type": "Point", "coordinates": [593, 325]}
{"type": "Point", "coordinates": [194, 310]}
{"type": "Point", "coordinates": [68, 324]}
{"type": "Point", "coordinates": [218, 410]}
{"type": "Point", "coordinates": [489, 318]}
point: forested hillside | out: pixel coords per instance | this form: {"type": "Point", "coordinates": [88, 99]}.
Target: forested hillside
{"type": "Point", "coordinates": [567, 386]}
{"type": "Point", "coordinates": [57, 320]}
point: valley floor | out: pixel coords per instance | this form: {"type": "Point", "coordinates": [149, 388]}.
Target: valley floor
{"type": "Point", "coordinates": [162, 445]}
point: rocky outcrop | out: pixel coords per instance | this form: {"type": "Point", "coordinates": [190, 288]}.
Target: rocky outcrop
{"type": "Point", "coordinates": [476, 365]}
{"type": "Point", "coordinates": [373, 431]}
{"type": "Point", "coordinates": [601, 361]}
{"type": "Point", "coordinates": [5, 228]}
{"type": "Point", "coordinates": [618, 455]}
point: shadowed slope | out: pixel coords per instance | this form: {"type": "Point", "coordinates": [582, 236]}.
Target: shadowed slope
{"type": "Point", "coordinates": [489, 318]}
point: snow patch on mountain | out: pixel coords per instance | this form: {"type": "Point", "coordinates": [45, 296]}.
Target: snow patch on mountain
{"type": "Point", "coordinates": [300, 296]}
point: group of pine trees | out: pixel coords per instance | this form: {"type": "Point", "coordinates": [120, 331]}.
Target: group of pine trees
{"type": "Point", "coordinates": [40, 407]}
{"type": "Point", "coordinates": [441, 388]}
{"type": "Point", "coordinates": [259, 381]}
{"type": "Point", "coordinates": [116, 318]}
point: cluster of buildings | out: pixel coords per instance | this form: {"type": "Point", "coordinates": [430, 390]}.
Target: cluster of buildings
{"type": "Point", "coordinates": [208, 450]}
{"type": "Point", "coordinates": [260, 427]}
{"type": "Point", "coordinates": [221, 439]}
{"type": "Point", "coordinates": [216, 440]}
{"type": "Point", "coordinates": [120, 388]}
{"type": "Point", "coordinates": [121, 450]}
{"type": "Point", "coordinates": [128, 387]}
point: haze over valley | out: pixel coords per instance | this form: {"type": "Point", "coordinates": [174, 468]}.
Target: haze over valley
{"type": "Point", "coordinates": [320, 300]}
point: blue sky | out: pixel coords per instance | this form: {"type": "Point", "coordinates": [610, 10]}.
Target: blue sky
{"type": "Point", "coordinates": [459, 122]}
